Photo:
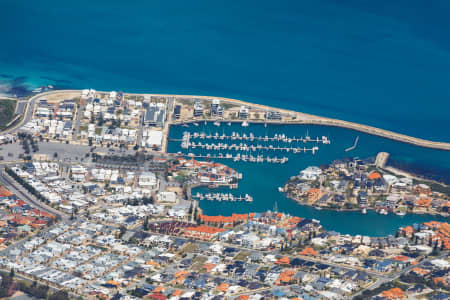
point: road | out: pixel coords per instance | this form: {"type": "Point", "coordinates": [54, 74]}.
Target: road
{"type": "Point", "coordinates": [77, 121]}
{"type": "Point", "coordinates": [396, 275]}
{"type": "Point", "coordinates": [32, 280]}
{"type": "Point", "coordinates": [24, 195]}
{"type": "Point", "coordinates": [29, 109]}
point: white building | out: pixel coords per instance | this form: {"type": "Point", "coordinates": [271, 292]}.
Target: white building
{"type": "Point", "coordinates": [310, 173]}
{"type": "Point", "coordinates": [154, 139]}
{"type": "Point", "coordinates": [167, 197]}
{"type": "Point", "coordinates": [148, 180]}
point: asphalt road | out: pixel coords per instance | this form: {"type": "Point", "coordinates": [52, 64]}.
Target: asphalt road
{"type": "Point", "coordinates": [394, 276]}
{"type": "Point", "coordinates": [24, 195]}
{"type": "Point", "coordinates": [29, 109]}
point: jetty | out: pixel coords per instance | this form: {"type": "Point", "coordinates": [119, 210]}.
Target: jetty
{"type": "Point", "coordinates": [354, 145]}
{"type": "Point", "coordinates": [240, 157]}
{"type": "Point", "coordinates": [223, 197]}
{"type": "Point", "coordinates": [246, 147]}
{"type": "Point", "coordinates": [252, 137]}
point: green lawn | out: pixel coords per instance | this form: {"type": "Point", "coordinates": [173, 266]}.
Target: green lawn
{"type": "Point", "coordinates": [7, 108]}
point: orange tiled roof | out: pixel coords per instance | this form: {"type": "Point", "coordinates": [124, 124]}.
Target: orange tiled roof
{"type": "Point", "coordinates": [374, 176]}
{"type": "Point", "coordinates": [408, 229]}
{"type": "Point", "coordinates": [112, 282]}
{"type": "Point", "coordinates": [309, 251]}
{"type": "Point", "coordinates": [437, 280]}
{"type": "Point", "coordinates": [394, 293]}
{"type": "Point", "coordinates": [314, 191]}
{"type": "Point", "coordinates": [208, 267]}
{"type": "Point", "coordinates": [223, 287]}
{"type": "Point", "coordinates": [159, 289]}
{"type": "Point", "coordinates": [286, 276]}
{"type": "Point", "coordinates": [178, 293]}
{"type": "Point", "coordinates": [424, 202]}
{"type": "Point", "coordinates": [222, 219]}
{"type": "Point", "coordinates": [420, 271]}
{"type": "Point", "coordinates": [283, 261]}
{"type": "Point", "coordinates": [152, 263]}
{"type": "Point", "coordinates": [4, 192]}
{"type": "Point", "coordinates": [181, 273]}
{"type": "Point", "coordinates": [401, 258]}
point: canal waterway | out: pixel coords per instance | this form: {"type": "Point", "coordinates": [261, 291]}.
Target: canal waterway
{"type": "Point", "coordinates": [261, 180]}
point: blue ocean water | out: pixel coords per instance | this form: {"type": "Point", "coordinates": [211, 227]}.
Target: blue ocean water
{"type": "Point", "coordinates": [262, 180]}
{"type": "Point", "coordinates": [383, 63]}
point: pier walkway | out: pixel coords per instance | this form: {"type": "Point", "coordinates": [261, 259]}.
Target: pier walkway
{"type": "Point", "coordinates": [354, 145]}
{"type": "Point", "coordinates": [240, 157]}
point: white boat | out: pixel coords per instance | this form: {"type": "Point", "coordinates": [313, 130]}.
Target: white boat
{"type": "Point", "coordinates": [281, 189]}
{"type": "Point", "coordinates": [383, 212]}
{"type": "Point", "coordinates": [195, 124]}
{"type": "Point", "coordinates": [216, 123]}
{"type": "Point", "coordinates": [229, 123]}
{"type": "Point", "coordinates": [244, 124]}
{"type": "Point", "coordinates": [364, 211]}
{"type": "Point", "coordinates": [400, 213]}
{"type": "Point", "coordinates": [185, 125]}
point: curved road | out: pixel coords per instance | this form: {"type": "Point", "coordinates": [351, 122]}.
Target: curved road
{"type": "Point", "coordinates": [29, 110]}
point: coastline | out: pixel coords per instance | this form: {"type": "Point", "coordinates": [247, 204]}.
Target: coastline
{"type": "Point", "coordinates": [300, 118]}
{"type": "Point", "coordinates": [299, 202]}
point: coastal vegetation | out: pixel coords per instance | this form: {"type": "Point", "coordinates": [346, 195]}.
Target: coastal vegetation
{"type": "Point", "coordinates": [7, 108]}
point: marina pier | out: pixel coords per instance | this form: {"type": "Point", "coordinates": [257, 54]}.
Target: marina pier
{"type": "Point", "coordinates": [223, 197]}
{"type": "Point", "coordinates": [240, 157]}
{"type": "Point", "coordinates": [252, 137]}
{"type": "Point", "coordinates": [187, 143]}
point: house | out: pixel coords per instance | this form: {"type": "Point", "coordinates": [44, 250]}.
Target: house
{"type": "Point", "coordinates": [273, 115]}
{"type": "Point", "coordinates": [148, 180]}
{"type": "Point", "coordinates": [155, 115]}
{"type": "Point", "coordinates": [167, 197]}
{"type": "Point", "coordinates": [153, 139]}
{"type": "Point", "coordinates": [198, 109]}
{"type": "Point", "coordinates": [243, 112]}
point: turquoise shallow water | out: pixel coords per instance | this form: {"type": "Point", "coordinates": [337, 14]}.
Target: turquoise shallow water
{"type": "Point", "coordinates": [262, 180]}
{"type": "Point", "coordinates": [381, 63]}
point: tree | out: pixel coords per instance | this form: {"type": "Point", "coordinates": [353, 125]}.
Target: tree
{"type": "Point", "coordinates": [436, 250]}
{"type": "Point", "coordinates": [122, 231]}
{"type": "Point", "coordinates": [59, 295]}
{"type": "Point", "coordinates": [146, 223]}
{"type": "Point", "coordinates": [195, 213]}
